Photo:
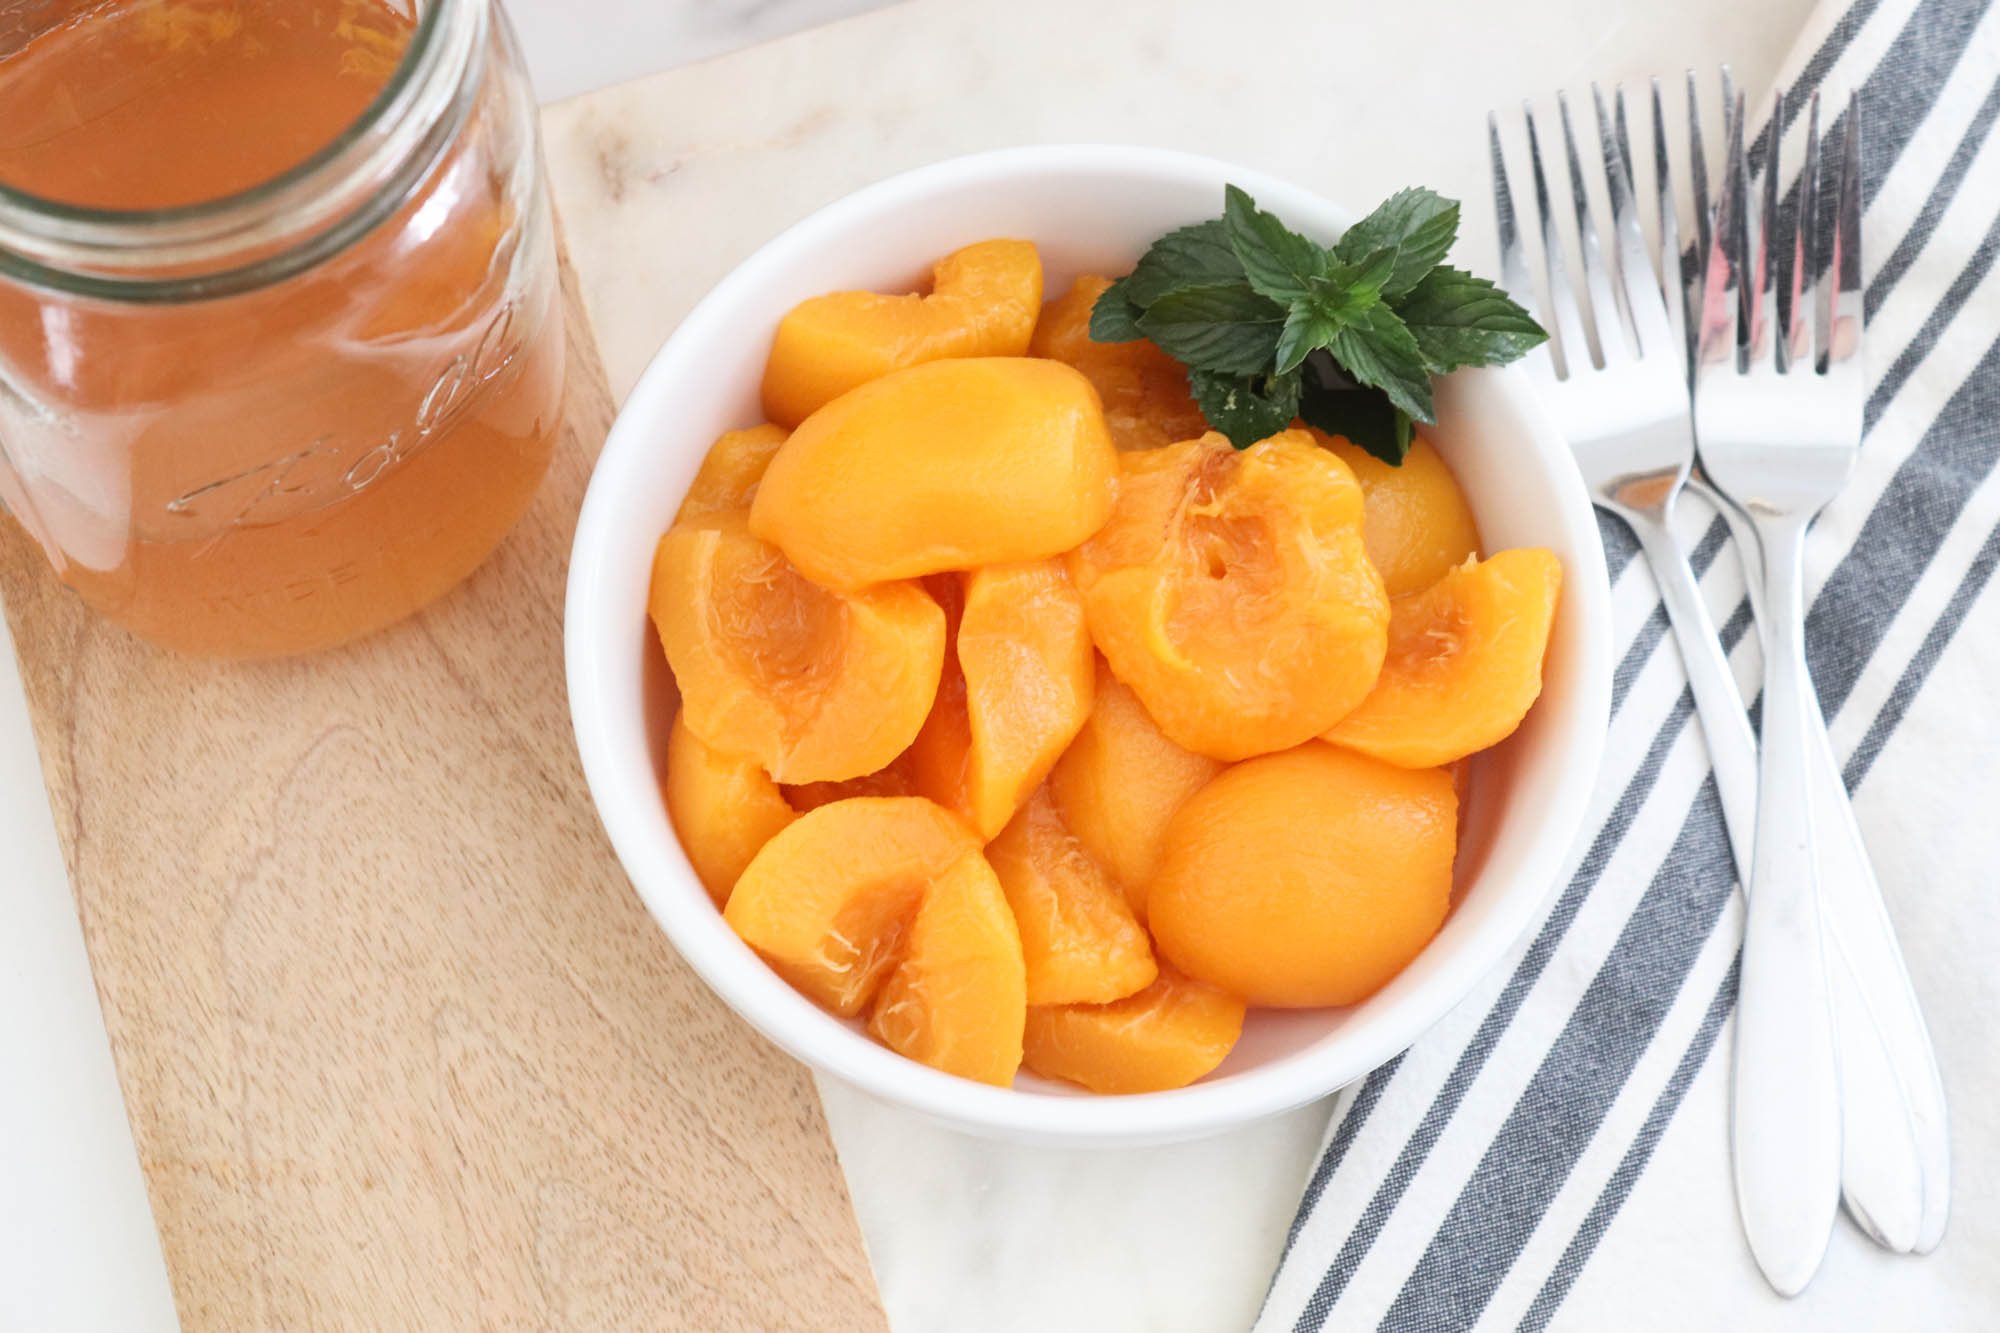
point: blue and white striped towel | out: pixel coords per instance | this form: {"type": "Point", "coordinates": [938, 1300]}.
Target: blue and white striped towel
{"type": "Point", "coordinates": [1554, 1155]}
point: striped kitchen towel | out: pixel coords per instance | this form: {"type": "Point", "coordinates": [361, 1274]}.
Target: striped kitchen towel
{"type": "Point", "coordinates": [1554, 1155]}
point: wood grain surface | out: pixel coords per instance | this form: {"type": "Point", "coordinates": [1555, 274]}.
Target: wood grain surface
{"type": "Point", "coordinates": [401, 1049]}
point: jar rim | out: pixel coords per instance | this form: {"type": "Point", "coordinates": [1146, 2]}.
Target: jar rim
{"type": "Point", "coordinates": [275, 227]}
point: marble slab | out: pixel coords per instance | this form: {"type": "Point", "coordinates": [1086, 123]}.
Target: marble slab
{"type": "Point", "coordinates": [575, 46]}
{"type": "Point", "coordinates": [667, 182]}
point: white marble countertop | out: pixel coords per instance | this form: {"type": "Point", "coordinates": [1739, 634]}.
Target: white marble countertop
{"type": "Point", "coordinates": [969, 1236]}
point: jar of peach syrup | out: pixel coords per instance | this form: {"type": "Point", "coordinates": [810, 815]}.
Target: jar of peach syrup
{"type": "Point", "coordinates": [281, 349]}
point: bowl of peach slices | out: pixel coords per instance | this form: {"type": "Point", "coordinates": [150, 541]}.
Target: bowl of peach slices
{"type": "Point", "coordinates": [1085, 643]}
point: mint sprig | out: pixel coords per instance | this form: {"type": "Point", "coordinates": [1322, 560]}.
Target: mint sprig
{"type": "Point", "coordinates": [1273, 325]}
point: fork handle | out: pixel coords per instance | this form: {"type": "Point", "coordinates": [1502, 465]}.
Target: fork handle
{"type": "Point", "coordinates": [1725, 723]}
{"type": "Point", "coordinates": [1786, 1127]}
{"type": "Point", "coordinates": [1896, 1140]}
{"type": "Point", "coordinates": [1863, 941]}
{"type": "Point", "coordinates": [1882, 1177]}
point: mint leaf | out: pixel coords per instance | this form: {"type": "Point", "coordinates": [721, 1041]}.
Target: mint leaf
{"type": "Point", "coordinates": [1364, 417]}
{"type": "Point", "coordinates": [1246, 408]}
{"type": "Point", "coordinates": [1334, 300]}
{"type": "Point", "coordinates": [1114, 319]}
{"type": "Point", "coordinates": [1222, 327]}
{"type": "Point", "coordinates": [1419, 225]}
{"type": "Point", "coordinates": [1362, 278]}
{"type": "Point", "coordinates": [1460, 320]}
{"type": "Point", "coordinates": [1196, 256]}
{"type": "Point", "coordinates": [1278, 261]}
{"type": "Point", "coordinates": [1307, 328]}
{"type": "Point", "coordinates": [1379, 350]}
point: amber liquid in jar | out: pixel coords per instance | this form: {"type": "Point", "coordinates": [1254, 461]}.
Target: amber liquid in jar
{"type": "Point", "coordinates": [285, 468]}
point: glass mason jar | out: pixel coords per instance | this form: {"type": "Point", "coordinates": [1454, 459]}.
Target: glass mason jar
{"type": "Point", "coordinates": [274, 421]}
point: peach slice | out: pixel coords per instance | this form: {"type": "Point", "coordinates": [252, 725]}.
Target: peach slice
{"type": "Point", "coordinates": [829, 901]}
{"type": "Point", "coordinates": [958, 999]}
{"type": "Point", "coordinates": [1119, 783]}
{"type": "Point", "coordinates": [1309, 877]}
{"type": "Point", "coordinates": [888, 900]}
{"type": "Point", "coordinates": [983, 302]}
{"type": "Point", "coordinates": [1017, 685]}
{"type": "Point", "coordinates": [723, 808]}
{"type": "Point", "coordinates": [1417, 524]}
{"type": "Point", "coordinates": [730, 472]}
{"type": "Point", "coordinates": [1144, 391]}
{"type": "Point", "coordinates": [947, 465]}
{"type": "Point", "coordinates": [1080, 940]}
{"type": "Point", "coordinates": [809, 684]}
{"type": "Point", "coordinates": [1464, 664]}
{"type": "Point", "coordinates": [1166, 1036]}
{"type": "Point", "coordinates": [1232, 592]}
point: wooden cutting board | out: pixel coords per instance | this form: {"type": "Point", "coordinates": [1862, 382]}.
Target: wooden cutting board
{"type": "Point", "coordinates": [402, 1050]}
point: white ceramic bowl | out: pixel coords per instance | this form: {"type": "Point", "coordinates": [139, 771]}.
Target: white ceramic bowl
{"type": "Point", "coordinates": [1090, 209]}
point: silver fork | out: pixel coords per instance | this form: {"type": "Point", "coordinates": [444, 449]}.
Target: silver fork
{"type": "Point", "coordinates": [1898, 1191]}
{"type": "Point", "coordinates": [1629, 422]}
{"type": "Point", "coordinates": [1778, 408]}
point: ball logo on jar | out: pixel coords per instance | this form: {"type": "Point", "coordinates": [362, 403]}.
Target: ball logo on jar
{"type": "Point", "coordinates": [451, 396]}
{"type": "Point", "coordinates": [320, 473]}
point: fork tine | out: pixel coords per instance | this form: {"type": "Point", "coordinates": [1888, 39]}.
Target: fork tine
{"type": "Point", "coordinates": [1847, 308]}
{"type": "Point", "coordinates": [1673, 279]}
{"type": "Point", "coordinates": [1723, 267]}
{"type": "Point", "coordinates": [1603, 306]}
{"type": "Point", "coordinates": [1620, 133]}
{"type": "Point", "coordinates": [1639, 286]}
{"type": "Point", "coordinates": [1569, 341]}
{"type": "Point", "coordinates": [1766, 331]}
{"type": "Point", "coordinates": [1805, 250]}
{"type": "Point", "coordinates": [1732, 109]}
{"type": "Point", "coordinates": [1704, 218]}
{"type": "Point", "coordinates": [1513, 253]}
{"type": "Point", "coordinates": [1623, 135]}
